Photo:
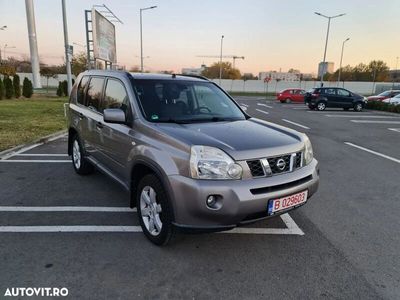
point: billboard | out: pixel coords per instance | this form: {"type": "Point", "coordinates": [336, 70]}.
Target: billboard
{"type": "Point", "coordinates": [104, 46]}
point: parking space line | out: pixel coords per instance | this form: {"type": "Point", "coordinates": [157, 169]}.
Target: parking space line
{"type": "Point", "coordinates": [360, 116]}
{"type": "Point", "coordinates": [296, 124]}
{"type": "Point", "coordinates": [40, 154]}
{"type": "Point", "coordinates": [373, 152]}
{"type": "Point", "coordinates": [65, 208]}
{"type": "Point", "coordinates": [71, 228]}
{"type": "Point", "coordinates": [265, 105]}
{"type": "Point", "coordinates": [33, 161]}
{"type": "Point", "coordinates": [261, 111]}
{"type": "Point", "coordinates": [375, 122]}
{"type": "Point", "coordinates": [394, 129]}
{"type": "Point", "coordinates": [244, 104]}
{"type": "Point", "coordinates": [20, 151]}
{"type": "Point", "coordinates": [300, 108]}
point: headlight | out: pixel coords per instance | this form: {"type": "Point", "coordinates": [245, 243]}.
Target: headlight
{"type": "Point", "coordinates": [213, 163]}
{"type": "Point", "coordinates": [308, 151]}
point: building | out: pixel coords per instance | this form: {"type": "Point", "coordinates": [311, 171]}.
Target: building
{"type": "Point", "coordinates": [280, 76]}
{"type": "Point", "coordinates": [193, 71]}
{"type": "Point", "coordinates": [325, 67]}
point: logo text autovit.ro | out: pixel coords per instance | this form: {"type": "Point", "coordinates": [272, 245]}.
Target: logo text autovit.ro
{"type": "Point", "coordinates": [36, 291]}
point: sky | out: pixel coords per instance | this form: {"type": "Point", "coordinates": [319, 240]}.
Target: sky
{"type": "Point", "coordinates": [272, 35]}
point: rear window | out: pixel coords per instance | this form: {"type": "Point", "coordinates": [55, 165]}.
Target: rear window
{"type": "Point", "coordinates": [94, 93]}
{"type": "Point", "coordinates": [81, 90]}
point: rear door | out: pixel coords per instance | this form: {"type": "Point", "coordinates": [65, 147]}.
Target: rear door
{"type": "Point", "coordinates": [330, 95]}
{"type": "Point", "coordinates": [94, 115]}
{"type": "Point", "coordinates": [78, 110]}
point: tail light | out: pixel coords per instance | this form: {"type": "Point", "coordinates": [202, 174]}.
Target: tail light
{"type": "Point", "coordinates": [314, 95]}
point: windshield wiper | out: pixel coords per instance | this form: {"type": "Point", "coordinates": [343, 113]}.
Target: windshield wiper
{"type": "Point", "coordinates": [177, 121]}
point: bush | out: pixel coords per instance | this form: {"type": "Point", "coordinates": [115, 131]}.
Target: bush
{"type": "Point", "coordinates": [17, 86]}
{"type": "Point", "coordinates": [8, 86]}
{"type": "Point", "coordinates": [59, 89]}
{"type": "Point", "coordinates": [1, 90]}
{"type": "Point", "coordinates": [65, 88]}
{"type": "Point", "coordinates": [378, 105]}
{"type": "Point", "coordinates": [27, 88]}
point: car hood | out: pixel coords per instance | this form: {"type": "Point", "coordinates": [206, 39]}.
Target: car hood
{"type": "Point", "coordinates": [244, 139]}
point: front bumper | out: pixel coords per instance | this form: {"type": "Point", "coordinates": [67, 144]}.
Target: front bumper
{"type": "Point", "coordinates": [243, 201]}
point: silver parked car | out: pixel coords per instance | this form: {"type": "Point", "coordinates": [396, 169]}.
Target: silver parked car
{"type": "Point", "coordinates": [190, 157]}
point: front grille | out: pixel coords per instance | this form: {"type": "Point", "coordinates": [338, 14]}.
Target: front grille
{"type": "Point", "coordinates": [256, 168]}
{"type": "Point", "coordinates": [275, 165]}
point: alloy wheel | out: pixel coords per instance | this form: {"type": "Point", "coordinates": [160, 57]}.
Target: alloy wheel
{"type": "Point", "coordinates": [150, 211]}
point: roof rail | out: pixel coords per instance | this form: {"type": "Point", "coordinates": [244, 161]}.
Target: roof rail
{"type": "Point", "coordinates": [194, 76]}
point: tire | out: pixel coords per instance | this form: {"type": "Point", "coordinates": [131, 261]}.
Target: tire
{"type": "Point", "coordinates": [80, 163]}
{"type": "Point", "coordinates": [311, 107]}
{"type": "Point", "coordinates": [358, 107]}
{"type": "Point", "coordinates": [321, 106]}
{"type": "Point", "coordinates": [154, 210]}
{"type": "Point", "coordinates": [288, 100]}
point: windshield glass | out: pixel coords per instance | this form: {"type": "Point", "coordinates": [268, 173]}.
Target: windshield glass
{"type": "Point", "coordinates": [185, 102]}
{"type": "Point", "coordinates": [384, 94]}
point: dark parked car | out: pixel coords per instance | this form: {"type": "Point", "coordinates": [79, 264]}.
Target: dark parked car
{"type": "Point", "coordinates": [384, 95]}
{"type": "Point", "coordinates": [185, 151]}
{"type": "Point", "coordinates": [321, 98]}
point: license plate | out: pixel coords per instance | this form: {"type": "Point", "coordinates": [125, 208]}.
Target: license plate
{"type": "Point", "coordinates": [286, 202]}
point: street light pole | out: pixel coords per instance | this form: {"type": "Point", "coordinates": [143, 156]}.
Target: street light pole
{"type": "Point", "coordinates": [341, 59]}
{"type": "Point", "coordinates": [326, 40]}
{"type": "Point", "coordinates": [220, 61]}
{"type": "Point", "coordinates": [141, 36]}
{"type": "Point", "coordinates": [67, 48]}
{"type": "Point", "coordinates": [395, 70]}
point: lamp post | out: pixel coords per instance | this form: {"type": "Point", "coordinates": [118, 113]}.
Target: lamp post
{"type": "Point", "coordinates": [395, 72]}
{"type": "Point", "coordinates": [341, 59]}
{"type": "Point", "coordinates": [141, 36]}
{"type": "Point", "coordinates": [326, 40]}
{"type": "Point", "coordinates": [220, 61]}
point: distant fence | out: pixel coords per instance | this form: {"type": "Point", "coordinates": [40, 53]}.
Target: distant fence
{"type": "Point", "coordinates": [53, 82]}
{"type": "Point", "coordinates": [274, 86]}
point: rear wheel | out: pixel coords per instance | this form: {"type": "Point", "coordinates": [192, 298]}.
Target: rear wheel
{"type": "Point", "coordinates": [311, 107]}
{"type": "Point", "coordinates": [80, 163]}
{"type": "Point", "coordinates": [154, 210]}
{"type": "Point", "coordinates": [288, 100]}
{"type": "Point", "coordinates": [321, 106]}
{"type": "Point", "coordinates": [358, 107]}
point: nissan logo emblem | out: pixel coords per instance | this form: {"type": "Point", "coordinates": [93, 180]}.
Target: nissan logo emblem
{"type": "Point", "coordinates": [280, 164]}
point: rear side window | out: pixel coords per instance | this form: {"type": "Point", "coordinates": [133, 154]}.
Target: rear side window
{"type": "Point", "coordinates": [343, 93]}
{"type": "Point", "coordinates": [94, 93]}
{"type": "Point", "coordinates": [329, 91]}
{"type": "Point", "coordinates": [115, 96]}
{"type": "Point", "coordinates": [81, 90]}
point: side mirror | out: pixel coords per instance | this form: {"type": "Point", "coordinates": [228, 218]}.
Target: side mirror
{"type": "Point", "coordinates": [114, 115]}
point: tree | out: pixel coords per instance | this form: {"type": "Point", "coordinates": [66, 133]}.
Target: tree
{"type": "Point", "coordinates": [17, 86]}
{"type": "Point", "coordinates": [64, 87]}
{"type": "Point", "coordinates": [227, 71]}
{"type": "Point", "coordinates": [249, 76]}
{"type": "Point", "coordinates": [59, 89]}
{"type": "Point", "coordinates": [79, 63]}
{"type": "Point", "coordinates": [1, 90]}
{"type": "Point", "coordinates": [8, 86]}
{"type": "Point", "coordinates": [27, 88]}
{"type": "Point", "coordinates": [49, 72]}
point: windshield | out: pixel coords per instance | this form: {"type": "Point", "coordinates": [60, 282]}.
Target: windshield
{"type": "Point", "coordinates": [185, 102]}
{"type": "Point", "coordinates": [384, 94]}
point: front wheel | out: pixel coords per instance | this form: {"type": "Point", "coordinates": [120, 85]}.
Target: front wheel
{"type": "Point", "coordinates": [154, 210]}
{"type": "Point", "coordinates": [80, 163]}
{"type": "Point", "coordinates": [358, 107]}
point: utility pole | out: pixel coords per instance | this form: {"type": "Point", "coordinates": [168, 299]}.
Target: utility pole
{"type": "Point", "coordinates": [141, 36]}
{"type": "Point", "coordinates": [220, 61]}
{"type": "Point", "coordinates": [395, 72]}
{"type": "Point", "coordinates": [30, 18]}
{"type": "Point", "coordinates": [341, 59]}
{"type": "Point", "coordinates": [67, 48]}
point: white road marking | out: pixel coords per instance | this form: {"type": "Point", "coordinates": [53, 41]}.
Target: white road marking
{"type": "Point", "coordinates": [261, 111]}
{"type": "Point", "coordinates": [375, 122]}
{"type": "Point", "coordinates": [394, 129]}
{"type": "Point", "coordinates": [244, 104]}
{"type": "Point", "coordinates": [300, 108]}
{"type": "Point", "coordinates": [373, 152]}
{"type": "Point", "coordinates": [65, 208]}
{"type": "Point", "coordinates": [40, 154]}
{"type": "Point", "coordinates": [360, 116]}
{"type": "Point", "coordinates": [33, 161]}
{"type": "Point", "coordinates": [71, 228]}
{"type": "Point", "coordinates": [296, 124]}
{"type": "Point", "coordinates": [265, 105]}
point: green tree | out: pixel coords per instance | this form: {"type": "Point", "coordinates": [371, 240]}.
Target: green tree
{"type": "Point", "coordinates": [64, 86]}
{"type": "Point", "coordinates": [27, 88]}
{"type": "Point", "coordinates": [378, 70]}
{"type": "Point", "coordinates": [17, 86]}
{"type": "Point", "coordinates": [59, 89]}
{"type": "Point", "coordinates": [1, 90]}
{"type": "Point", "coordinates": [79, 63]}
{"type": "Point", "coordinates": [8, 86]}
{"type": "Point", "coordinates": [227, 71]}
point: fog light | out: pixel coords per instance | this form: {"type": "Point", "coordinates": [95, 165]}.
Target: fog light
{"type": "Point", "coordinates": [211, 201]}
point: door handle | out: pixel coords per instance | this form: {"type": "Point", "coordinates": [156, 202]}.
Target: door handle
{"type": "Point", "coordinates": [99, 125]}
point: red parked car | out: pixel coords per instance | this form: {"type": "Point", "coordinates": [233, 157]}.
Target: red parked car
{"type": "Point", "coordinates": [291, 95]}
{"type": "Point", "coordinates": [384, 95]}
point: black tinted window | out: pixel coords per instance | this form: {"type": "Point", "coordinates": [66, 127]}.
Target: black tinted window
{"type": "Point", "coordinates": [343, 93]}
{"type": "Point", "coordinates": [81, 90]}
{"type": "Point", "coordinates": [94, 93]}
{"type": "Point", "coordinates": [115, 96]}
{"type": "Point", "coordinates": [330, 91]}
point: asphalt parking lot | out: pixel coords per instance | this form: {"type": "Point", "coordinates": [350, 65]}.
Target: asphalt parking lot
{"type": "Point", "coordinates": [58, 229]}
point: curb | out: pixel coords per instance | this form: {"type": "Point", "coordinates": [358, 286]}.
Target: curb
{"type": "Point", "coordinates": [25, 147]}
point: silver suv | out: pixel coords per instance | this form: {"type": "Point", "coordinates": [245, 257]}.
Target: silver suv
{"type": "Point", "coordinates": [190, 157]}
